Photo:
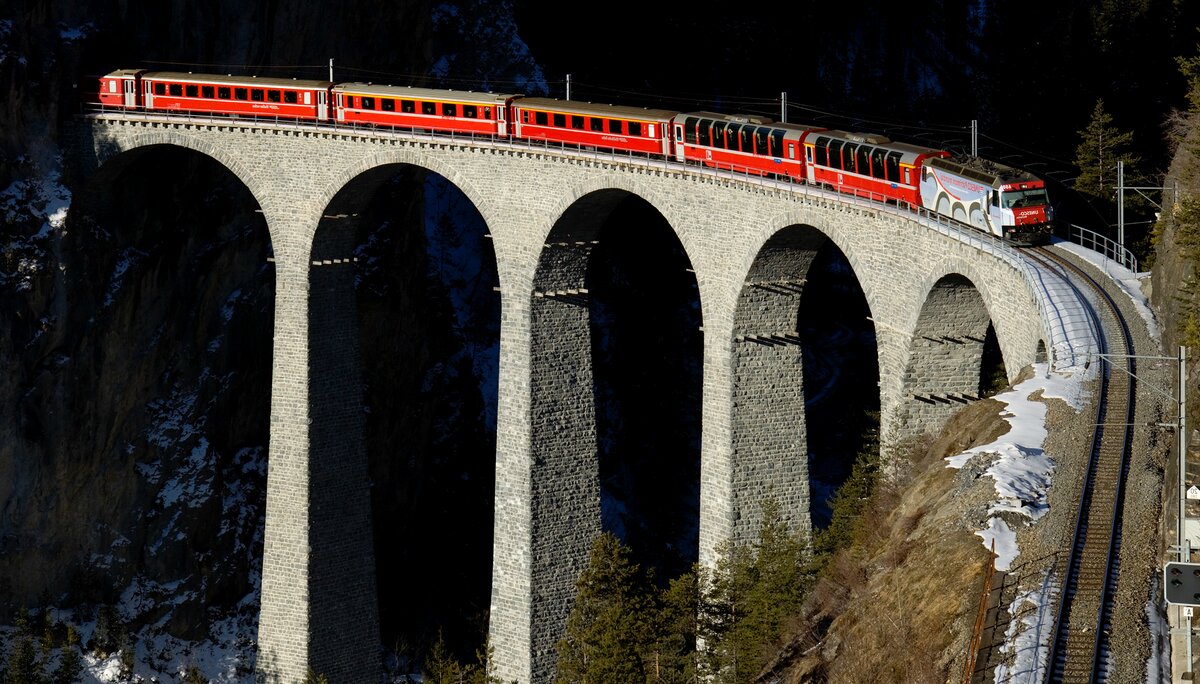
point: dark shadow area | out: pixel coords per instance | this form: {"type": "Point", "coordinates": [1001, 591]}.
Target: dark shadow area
{"type": "Point", "coordinates": [841, 374]}
{"type": "Point", "coordinates": [647, 359]}
{"type": "Point", "coordinates": [429, 328]}
{"type": "Point", "coordinates": [144, 399]}
{"type": "Point", "coordinates": [993, 375]}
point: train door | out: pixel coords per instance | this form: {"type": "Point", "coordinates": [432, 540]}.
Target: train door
{"type": "Point", "coordinates": [148, 94]}
{"type": "Point", "coordinates": [501, 124]}
{"type": "Point", "coordinates": [322, 104]}
{"type": "Point", "coordinates": [130, 93]}
{"type": "Point", "coordinates": [679, 153]}
{"type": "Point", "coordinates": [340, 107]}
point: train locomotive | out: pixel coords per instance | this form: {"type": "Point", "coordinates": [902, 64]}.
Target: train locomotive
{"type": "Point", "coordinates": [1001, 200]}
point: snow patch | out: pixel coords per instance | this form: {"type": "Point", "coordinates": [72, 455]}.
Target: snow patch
{"type": "Point", "coordinates": [1026, 642]}
{"type": "Point", "coordinates": [1129, 282]}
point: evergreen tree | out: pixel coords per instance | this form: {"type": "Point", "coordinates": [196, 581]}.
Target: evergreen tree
{"type": "Point", "coordinates": [611, 626]}
{"type": "Point", "coordinates": [1101, 146]}
{"type": "Point", "coordinates": [23, 664]}
{"type": "Point", "coordinates": [1190, 68]}
{"type": "Point", "coordinates": [748, 597]}
{"type": "Point", "coordinates": [70, 664]}
{"type": "Point", "coordinates": [672, 657]}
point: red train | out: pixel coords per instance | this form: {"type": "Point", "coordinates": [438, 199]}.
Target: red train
{"type": "Point", "coordinates": [1004, 201]}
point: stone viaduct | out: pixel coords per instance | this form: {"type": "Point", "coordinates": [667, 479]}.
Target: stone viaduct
{"type": "Point", "coordinates": [932, 292]}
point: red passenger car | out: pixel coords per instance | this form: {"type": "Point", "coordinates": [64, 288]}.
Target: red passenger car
{"type": "Point", "coordinates": [634, 129]}
{"type": "Point", "coordinates": [744, 143]}
{"type": "Point", "coordinates": [867, 165]}
{"type": "Point", "coordinates": [120, 88]}
{"type": "Point", "coordinates": [247, 95]}
{"type": "Point", "coordinates": [422, 108]}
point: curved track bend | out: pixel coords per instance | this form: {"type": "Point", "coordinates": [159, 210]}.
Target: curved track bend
{"type": "Point", "coordinates": [1079, 648]}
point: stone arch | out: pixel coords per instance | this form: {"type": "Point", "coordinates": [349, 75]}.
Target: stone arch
{"type": "Point", "coordinates": [119, 147]}
{"type": "Point", "coordinates": [398, 445]}
{"type": "Point", "coordinates": [583, 358]}
{"type": "Point", "coordinates": [771, 340]}
{"type": "Point", "coordinates": [181, 321]}
{"type": "Point", "coordinates": [1039, 353]}
{"type": "Point", "coordinates": [945, 354]}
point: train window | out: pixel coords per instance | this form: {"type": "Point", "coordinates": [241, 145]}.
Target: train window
{"type": "Point", "coordinates": [408, 106]}
{"type": "Point", "coordinates": [241, 93]}
{"type": "Point", "coordinates": [748, 138]}
{"type": "Point", "coordinates": [387, 104]}
{"type": "Point", "coordinates": [995, 198]}
{"type": "Point", "coordinates": [429, 108]}
{"type": "Point", "coordinates": [208, 91]}
{"type": "Point", "coordinates": [877, 157]}
{"type": "Point", "coordinates": [689, 130]}
{"type": "Point", "coordinates": [848, 151]}
{"type": "Point", "coordinates": [112, 86]}
{"type": "Point", "coordinates": [718, 134]}
{"type": "Point", "coordinates": [577, 122]}
{"type": "Point", "coordinates": [470, 111]}
{"type": "Point", "coordinates": [635, 128]}
{"type": "Point", "coordinates": [597, 124]}
{"type": "Point", "coordinates": [192, 91]}
{"type": "Point", "coordinates": [924, 174]}
{"type": "Point", "coordinates": [560, 120]}
{"type": "Point", "coordinates": [614, 126]}
{"type": "Point", "coordinates": [907, 180]}
{"type": "Point", "coordinates": [274, 96]}
{"type": "Point", "coordinates": [160, 88]}
{"type": "Point", "coordinates": [256, 94]}
{"type": "Point", "coordinates": [540, 118]}
{"type": "Point", "coordinates": [893, 167]}
{"type": "Point", "coordinates": [449, 109]}
{"type": "Point", "coordinates": [864, 160]}
{"type": "Point", "coordinates": [777, 145]}
{"type": "Point", "coordinates": [367, 102]}
{"type": "Point", "coordinates": [822, 152]}
{"type": "Point", "coordinates": [175, 89]}
{"type": "Point", "coordinates": [223, 92]}
{"type": "Point", "coordinates": [649, 130]}
{"type": "Point", "coordinates": [704, 132]}
{"type": "Point", "coordinates": [835, 154]}
{"type": "Point", "coordinates": [487, 113]}
{"type": "Point", "coordinates": [350, 101]}
{"type": "Point", "coordinates": [762, 141]}
{"type": "Point", "coordinates": [289, 97]}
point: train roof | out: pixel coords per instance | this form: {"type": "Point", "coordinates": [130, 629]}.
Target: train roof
{"type": "Point", "coordinates": [755, 119]}
{"type": "Point", "coordinates": [984, 170]}
{"type": "Point", "coordinates": [123, 73]}
{"type": "Point", "coordinates": [877, 140]}
{"type": "Point", "coordinates": [592, 109]}
{"type": "Point", "coordinates": [188, 77]}
{"type": "Point", "coordinates": [406, 92]}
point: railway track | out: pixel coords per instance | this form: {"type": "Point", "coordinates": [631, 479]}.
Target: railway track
{"type": "Point", "coordinates": [1079, 647]}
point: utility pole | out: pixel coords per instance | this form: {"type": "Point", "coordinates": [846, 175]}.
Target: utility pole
{"type": "Point", "coordinates": [331, 69]}
{"type": "Point", "coordinates": [974, 137]}
{"type": "Point", "coordinates": [1121, 202]}
{"type": "Point", "coordinates": [783, 107]}
{"type": "Point", "coordinates": [1181, 445]}
{"type": "Point", "coordinates": [568, 86]}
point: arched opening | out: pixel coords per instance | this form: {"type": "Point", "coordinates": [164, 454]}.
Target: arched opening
{"type": "Point", "coordinates": [955, 358]}
{"type": "Point", "coordinates": [1039, 354]}
{"type": "Point", "coordinates": [145, 402]}
{"type": "Point", "coordinates": [420, 273]}
{"type": "Point", "coordinates": [615, 400]}
{"type": "Point", "coordinates": [805, 379]}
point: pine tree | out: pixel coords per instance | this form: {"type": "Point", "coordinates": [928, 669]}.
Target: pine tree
{"type": "Point", "coordinates": [611, 625]}
{"type": "Point", "coordinates": [1101, 146]}
{"type": "Point", "coordinates": [748, 597]}
{"type": "Point", "coordinates": [23, 664]}
{"type": "Point", "coordinates": [70, 664]}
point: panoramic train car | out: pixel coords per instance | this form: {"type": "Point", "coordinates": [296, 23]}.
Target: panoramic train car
{"type": "Point", "coordinates": [633, 129]}
{"type": "Point", "coordinates": [1006, 202]}
{"type": "Point", "coordinates": [868, 165]}
{"type": "Point", "coordinates": [460, 111]}
{"type": "Point", "coordinates": [744, 143]}
{"type": "Point", "coordinates": [248, 95]}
